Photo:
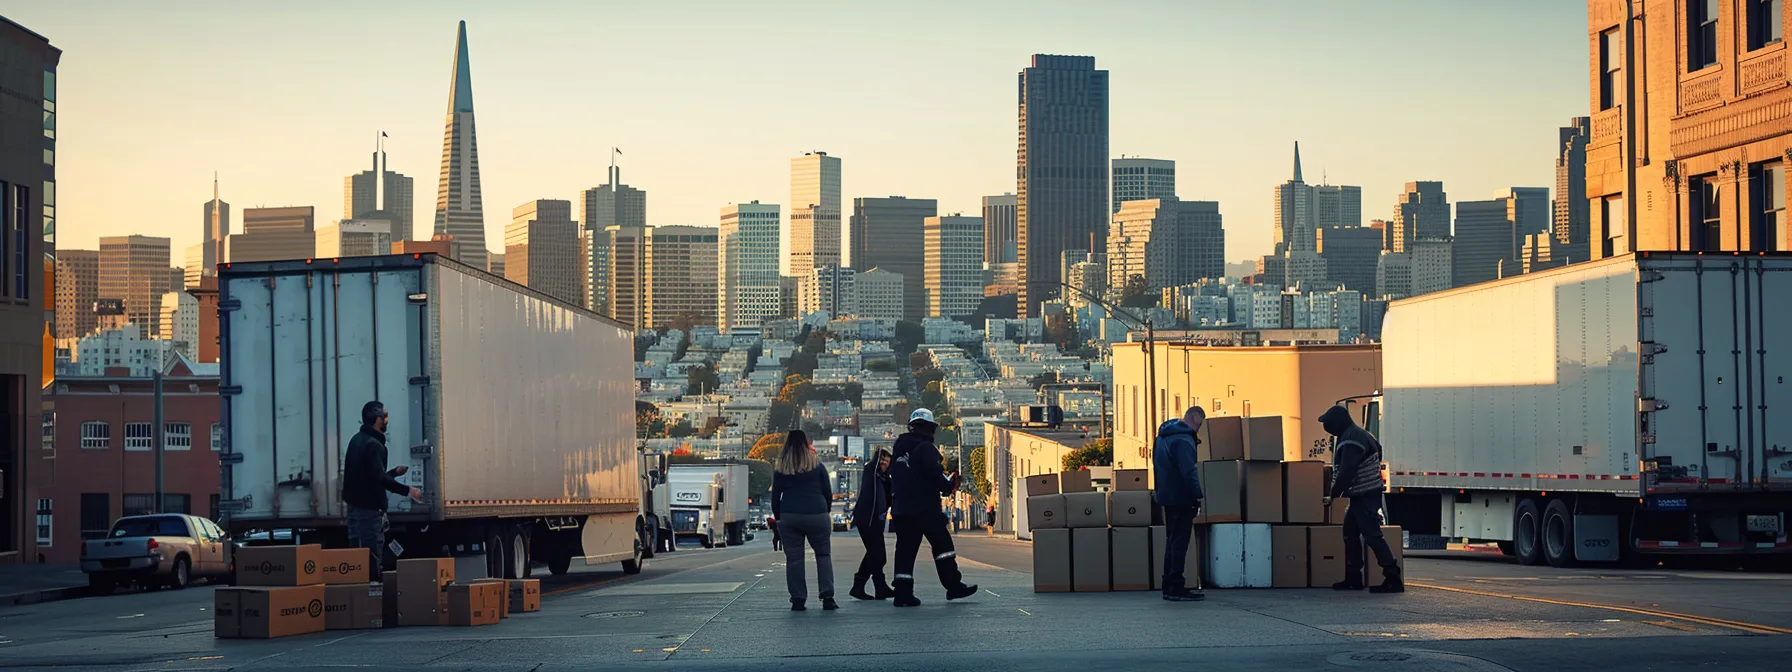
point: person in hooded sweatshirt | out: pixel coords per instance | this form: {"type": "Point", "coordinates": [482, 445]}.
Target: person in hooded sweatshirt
{"type": "Point", "coordinates": [868, 516]}
{"type": "Point", "coordinates": [1356, 474]}
{"type": "Point", "coordinates": [917, 482]}
{"type": "Point", "coordinates": [1179, 492]}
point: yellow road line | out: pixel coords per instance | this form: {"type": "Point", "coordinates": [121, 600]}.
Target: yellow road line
{"type": "Point", "coordinates": [1753, 628]}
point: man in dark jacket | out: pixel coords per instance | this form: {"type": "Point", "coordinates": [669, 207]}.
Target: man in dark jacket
{"type": "Point", "coordinates": [365, 482]}
{"type": "Point", "coordinates": [868, 516]}
{"type": "Point", "coordinates": [917, 482]}
{"type": "Point", "coordinates": [1356, 474]}
{"type": "Point", "coordinates": [1174, 459]}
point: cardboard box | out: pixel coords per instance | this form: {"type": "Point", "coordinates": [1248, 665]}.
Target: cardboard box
{"type": "Point", "coordinates": [1129, 508]}
{"type": "Point", "coordinates": [1263, 438]}
{"type": "Point", "coordinates": [1131, 553]}
{"type": "Point", "coordinates": [269, 612]}
{"type": "Point", "coordinates": [356, 607]}
{"type": "Point", "coordinates": [504, 604]}
{"type": "Point", "coordinates": [1131, 479]}
{"type": "Point", "coordinates": [1089, 560]}
{"type": "Point", "coordinates": [1372, 568]}
{"type": "Point", "coordinates": [1075, 481]}
{"type": "Point", "coordinates": [1191, 568]}
{"type": "Point", "coordinates": [1303, 492]}
{"type": "Point", "coordinates": [422, 591]}
{"type": "Point", "coordinates": [1158, 536]}
{"type": "Point", "coordinates": [1051, 561]}
{"type": "Point", "coordinates": [471, 604]}
{"type": "Point", "coordinates": [226, 622]}
{"type": "Point", "coordinates": [389, 599]}
{"type": "Point", "coordinates": [525, 595]}
{"type": "Point", "coordinates": [1262, 492]}
{"type": "Point", "coordinates": [279, 565]}
{"type": "Point", "coordinates": [1223, 483]}
{"type": "Point", "coordinates": [1325, 555]}
{"type": "Point", "coordinates": [344, 566]}
{"type": "Point", "coordinates": [1288, 567]}
{"type": "Point", "coordinates": [1045, 511]}
{"type": "Point", "coordinates": [370, 606]}
{"type": "Point", "coordinates": [1239, 555]}
{"type": "Point", "coordinates": [1334, 514]}
{"type": "Point", "coordinates": [1222, 438]}
{"type": "Point", "coordinates": [1086, 509]}
{"type": "Point", "coordinates": [1042, 484]}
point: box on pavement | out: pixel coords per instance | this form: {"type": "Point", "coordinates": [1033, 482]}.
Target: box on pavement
{"type": "Point", "coordinates": [475, 603]}
{"type": "Point", "coordinates": [1131, 553]}
{"type": "Point", "coordinates": [279, 565]}
{"type": "Point", "coordinates": [1042, 484]}
{"type": "Point", "coordinates": [343, 566]}
{"type": "Point", "coordinates": [1223, 483]}
{"type": "Point", "coordinates": [1086, 509]}
{"type": "Point", "coordinates": [354, 607]}
{"type": "Point", "coordinates": [1222, 438]}
{"type": "Point", "coordinates": [226, 622]}
{"type": "Point", "coordinates": [1303, 492]}
{"type": "Point", "coordinates": [1325, 555]}
{"type": "Point", "coordinates": [1089, 563]}
{"type": "Point", "coordinates": [389, 599]}
{"type": "Point", "coordinates": [1239, 555]}
{"type": "Point", "coordinates": [1045, 511]}
{"type": "Point", "coordinates": [423, 591]}
{"type": "Point", "coordinates": [1131, 479]}
{"type": "Point", "coordinates": [525, 595]}
{"type": "Point", "coordinates": [1262, 492]}
{"type": "Point", "coordinates": [1263, 438]}
{"type": "Point", "coordinates": [504, 604]}
{"type": "Point", "coordinates": [1372, 567]}
{"type": "Point", "coordinates": [1288, 569]}
{"type": "Point", "coordinates": [1075, 481]}
{"type": "Point", "coordinates": [269, 612]}
{"type": "Point", "coordinates": [1129, 508]}
{"type": "Point", "coordinates": [1334, 514]}
{"type": "Point", "coordinates": [1051, 560]}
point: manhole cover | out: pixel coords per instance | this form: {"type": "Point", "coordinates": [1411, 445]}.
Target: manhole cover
{"type": "Point", "coordinates": [1380, 657]}
{"type": "Point", "coordinates": [617, 614]}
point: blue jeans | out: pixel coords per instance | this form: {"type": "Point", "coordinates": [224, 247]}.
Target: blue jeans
{"type": "Point", "coordinates": [367, 529]}
{"type": "Point", "coordinates": [1179, 523]}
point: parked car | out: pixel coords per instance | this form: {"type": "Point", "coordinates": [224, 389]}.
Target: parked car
{"type": "Point", "coordinates": [842, 523]}
{"type": "Point", "coordinates": [168, 549]}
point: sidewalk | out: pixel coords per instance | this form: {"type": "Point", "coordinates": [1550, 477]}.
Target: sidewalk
{"type": "Point", "coordinates": [34, 583]}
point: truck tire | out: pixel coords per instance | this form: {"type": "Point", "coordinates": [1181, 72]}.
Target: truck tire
{"type": "Point", "coordinates": [1527, 526]}
{"type": "Point", "coordinates": [181, 575]}
{"type": "Point", "coordinates": [495, 562]}
{"type": "Point", "coordinates": [1558, 534]}
{"type": "Point", "coordinates": [100, 585]}
{"type": "Point", "coordinates": [516, 556]}
{"type": "Point", "coordinates": [709, 541]}
{"type": "Point", "coordinates": [635, 564]}
{"type": "Point", "coordinates": [559, 562]}
{"type": "Point", "coordinates": [649, 527]}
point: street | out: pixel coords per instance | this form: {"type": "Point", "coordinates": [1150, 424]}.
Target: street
{"type": "Point", "coordinates": [727, 608]}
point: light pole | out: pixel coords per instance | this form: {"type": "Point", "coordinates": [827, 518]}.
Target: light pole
{"type": "Point", "coordinates": [1147, 348]}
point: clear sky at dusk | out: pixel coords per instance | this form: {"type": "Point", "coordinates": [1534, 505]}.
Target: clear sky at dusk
{"type": "Point", "coordinates": [710, 100]}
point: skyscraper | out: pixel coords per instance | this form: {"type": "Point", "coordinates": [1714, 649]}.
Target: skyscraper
{"type": "Point", "coordinates": [355, 238]}
{"type": "Point", "coordinates": [1433, 265]}
{"type": "Point", "coordinates": [747, 262]}
{"type": "Point", "coordinates": [271, 234]}
{"type": "Point", "coordinates": [1486, 242]}
{"type": "Point", "coordinates": [368, 195]}
{"type": "Point", "coordinates": [1293, 219]}
{"type": "Point", "coordinates": [953, 265]}
{"type": "Point", "coordinates": [1393, 275]}
{"type": "Point", "coordinates": [830, 290]}
{"type": "Point", "coordinates": [1000, 244]}
{"type": "Point", "coordinates": [1528, 208]}
{"type": "Point", "coordinates": [541, 249]}
{"type": "Point", "coordinates": [1337, 206]}
{"type": "Point", "coordinates": [1422, 212]}
{"type": "Point", "coordinates": [77, 287]}
{"type": "Point", "coordinates": [1138, 179]}
{"type": "Point", "coordinates": [880, 295]}
{"type": "Point", "coordinates": [1062, 169]}
{"type": "Point", "coordinates": [888, 233]}
{"type": "Point", "coordinates": [1166, 242]}
{"type": "Point", "coordinates": [134, 269]}
{"type": "Point", "coordinates": [180, 322]}
{"type": "Point", "coordinates": [1570, 207]}
{"type": "Point", "coordinates": [604, 206]}
{"type": "Point", "coordinates": [680, 274]}
{"type": "Point", "coordinates": [814, 214]}
{"type": "Point", "coordinates": [213, 234]}
{"type": "Point", "coordinates": [625, 282]}
{"type": "Point", "coordinates": [459, 210]}
{"type": "Point", "coordinates": [1351, 255]}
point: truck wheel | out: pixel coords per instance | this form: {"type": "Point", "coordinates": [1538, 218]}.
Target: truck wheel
{"type": "Point", "coordinates": [649, 527]}
{"type": "Point", "coordinates": [634, 565]}
{"type": "Point", "coordinates": [709, 541]}
{"type": "Point", "coordinates": [559, 562]}
{"type": "Point", "coordinates": [516, 556]}
{"type": "Point", "coordinates": [1558, 534]}
{"type": "Point", "coordinates": [100, 585]}
{"type": "Point", "coordinates": [1527, 524]}
{"type": "Point", "coordinates": [182, 574]}
{"type": "Point", "coordinates": [494, 556]}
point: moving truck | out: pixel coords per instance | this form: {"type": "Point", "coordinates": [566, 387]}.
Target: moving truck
{"type": "Point", "coordinates": [1635, 404]}
{"type": "Point", "coordinates": [513, 410]}
{"type": "Point", "coordinates": [709, 502]}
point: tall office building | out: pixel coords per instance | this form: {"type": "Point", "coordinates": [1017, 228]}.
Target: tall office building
{"type": "Point", "coordinates": [830, 291]}
{"type": "Point", "coordinates": [459, 210]}
{"type": "Point", "coordinates": [1393, 275]}
{"type": "Point", "coordinates": [1423, 211]}
{"type": "Point", "coordinates": [355, 238]}
{"type": "Point", "coordinates": [1000, 242]}
{"type": "Point", "coordinates": [1351, 255]}
{"type": "Point", "coordinates": [1433, 265]}
{"type": "Point", "coordinates": [494, 262]}
{"type": "Point", "coordinates": [1569, 219]}
{"type": "Point", "coordinates": [814, 214]}
{"type": "Point", "coordinates": [1293, 219]}
{"type": "Point", "coordinates": [272, 234]}
{"type": "Point", "coordinates": [604, 206]}
{"type": "Point", "coordinates": [1486, 242]}
{"type": "Point", "coordinates": [1086, 279]}
{"type": "Point", "coordinates": [213, 236]}
{"type": "Point", "coordinates": [180, 322]}
{"type": "Point", "coordinates": [1138, 179]}
{"type": "Point", "coordinates": [1337, 206]}
{"type": "Point", "coordinates": [1062, 169]}
{"type": "Point", "coordinates": [1307, 271]}
{"type": "Point", "coordinates": [1528, 208]}
{"type": "Point", "coordinates": [77, 288]}
{"type": "Point", "coordinates": [881, 295]}
{"type": "Point", "coordinates": [541, 249]}
{"type": "Point", "coordinates": [953, 266]}
{"type": "Point", "coordinates": [368, 195]}
{"type": "Point", "coordinates": [625, 281]}
{"type": "Point", "coordinates": [680, 272]}
{"type": "Point", "coordinates": [134, 269]}
{"type": "Point", "coordinates": [747, 262]}
{"type": "Point", "coordinates": [888, 233]}
{"type": "Point", "coordinates": [1166, 242]}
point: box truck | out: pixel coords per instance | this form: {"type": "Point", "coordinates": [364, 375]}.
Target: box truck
{"type": "Point", "coordinates": [709, 503]}
{"type": "Point", "coordinates": [1634, 404]}
{"type": "Point", "coordinates": [512, 409]}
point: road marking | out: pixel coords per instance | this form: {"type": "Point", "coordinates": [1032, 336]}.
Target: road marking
{"type": "Point", "coordinates": [986, 590]}
{"type": "Point", "coordinates": [1029, 613]}
{"type": "Point", "coordinates": [1752, 628]}
{"type": "Point", "coordinates": [1672, 625]}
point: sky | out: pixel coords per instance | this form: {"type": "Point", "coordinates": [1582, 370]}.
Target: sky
{"type": "Point", "coordinates": [709, 100]}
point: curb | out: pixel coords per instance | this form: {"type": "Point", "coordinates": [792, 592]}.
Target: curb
{"type": "Point", "coordinates": [42, 596]}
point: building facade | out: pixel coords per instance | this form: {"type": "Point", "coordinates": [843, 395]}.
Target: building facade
{"type": "Point", "coordinates": [275, 234]}
{"type": "Point", "coordinates": [625, 283]}
{"type": "Point", "coordinates": [1393, 275]}
{"type": "Point", "coordinates": [1486, 244]}
{"type": "Point", "coordinates": [1167, 242]}
{"type": "Point", "coordinates": [814, 214]}
{"type": "Point", "coordinates": [77, 287]}
{"type": "Point", "coordinates": [363, 193]}
{"type": "Point", "coordinates": [1351, 254]}
{"type": "Point", "coordinates": [681, 271]}
{"type": "Point", "coordinates": [1138, 179]}
{"type": "Point", "coordinates": [953, 265]}
{"type": "Point", "coordinates": [747, 262]}
{"type": "Point", "coordinates": [1423, 211]}
{"type": "Point", "coordinates": [1062, 169]}
{"type": "Point", "coordinates": [881, 294]}
{"type": "Point", "coordinates": [355, 238]}
{"type": "Point", "coordinates": [541, 249]}
{"type": "Point", "coordinates": [1000, 240]}
{"type": "Point", "coordinates": [1569, 209]}
{"type": "Point", "coordinates": [459, 210]}
{"type": "Point", "coordinates": [888, 233]}
{"type": "Point", "coordinates": [1433, 265]}
{"type": "Point", "coordinates": [125, 347]}
{"type": "Point", "coordinates": [134, 269]}
{"type": "Point", "coordinates": [180, 322]}
{"type": "Point", "coordinates": [212, 248]}
{"type": "Point", "coordinates": [601, 207]}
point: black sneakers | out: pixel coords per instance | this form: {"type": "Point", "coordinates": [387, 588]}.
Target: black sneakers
{"type": "Point", "coordinates": [961, 592]}
{"type": "Point", "coordinates": [1392, 584]}
{"type": "Point", "coordinates": [828, 604]}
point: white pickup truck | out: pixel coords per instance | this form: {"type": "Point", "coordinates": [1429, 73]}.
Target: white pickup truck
{"type": "Point", "coordinates": [156, 550]}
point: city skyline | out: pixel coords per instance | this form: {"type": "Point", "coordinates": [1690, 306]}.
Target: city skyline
{"type": "Point", "coordinates": [533, 152]}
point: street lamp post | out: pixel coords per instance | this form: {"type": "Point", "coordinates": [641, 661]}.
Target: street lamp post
{"type": "Point", "coordinates": [1149, 350]}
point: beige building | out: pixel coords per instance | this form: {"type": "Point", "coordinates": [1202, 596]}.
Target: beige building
{"type": "Point", "coordinates": [750, 290]}
{"type": "Point", "coordinates": [1296, 382]}
{"type": "Point", "coordinates": [1011, 452]}
{"type": "Point", "coordinates": [1165, 241]}
{"type": "Point", "coordinates": [134, 269]}
{"type": "Point", "coordinates": [180, 322]}
{"type": "Point", "coordinates": [814, 214]}
{"type": "Point", "coordinates": [880, 294]}
{"type": "Point", "coordinates": [625, 286]}
{"type": "Point", "coordinates": [275, 234]}
{"type": "Point", "coordinates": [680, 274]}
{"type": "Point", "coordinates": [1691, 126]}
{"type": "Point", "coordinates": [952, 268]}
{"type": "Point", "coordinates": [541, 249]}
{"type": "Point", "coordinates": [77, 287]}
{"type": "Point", "coordinates": [355, 238]}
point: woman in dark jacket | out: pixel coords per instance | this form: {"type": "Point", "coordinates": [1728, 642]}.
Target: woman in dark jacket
{"type": "Point", "coordinates": [868, 516]}
{"type": "Point", "coordinates": [801, 499]}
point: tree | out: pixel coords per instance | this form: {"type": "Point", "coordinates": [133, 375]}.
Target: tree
{"type": "Point", "coordinates": [712, 426]}
{"type": "Point", "coordinates": [817, 343]}
{"type": "Point", "coordinates": [683, 429]}
{"type": "Point", "coordinates": [781, 416]}
{"type": "Point", "coordinates": [1136, 294]}
{"type": "Point", "coordinates": [647, 419]}
{"type": "Point", "coordinates": [1059, 332]}
{"type": "Point", "coordinates": [701, 380]}
{"type": "Point", "coordinates": [901, 411]}
{"type": "Point", "coordinates": [928, 376]}
{"type": "Point", "coordinates": [767, 447]}
{"type": "Point", "coordinates": [907, 336]}
{"type": "Point", "coordinates": [1097, 453]}
{"type": "Point", "coordinates": [919, 361]}
{"type": "Point", "coordinates": [801, 362]}
{"type": "Point", "coordinates": [979, 469]}
{"type": "Point", "coordinates": [880, 365]}
{"type": "Point", "coordinates": [682, 323]}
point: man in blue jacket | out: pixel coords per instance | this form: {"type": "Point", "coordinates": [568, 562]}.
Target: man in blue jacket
{"type": "Point", "coordinates": [1179, 492]}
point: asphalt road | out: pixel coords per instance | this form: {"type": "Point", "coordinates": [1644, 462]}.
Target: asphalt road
{"type": "Point", "coordinates": [728, 608]}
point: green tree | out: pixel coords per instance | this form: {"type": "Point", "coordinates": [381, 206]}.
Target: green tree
{"type": "Point", "coordinates": [907, 336]}
{"type": "Point", "coordinates": [781, 416]}
{"type": "Point", "coordinates": [979, 470]}
{"type": "Point", "coordinates": [683, 429]}
{"type": "Point", "coordinates": [919, 361]}
{"type": "Point", "coordinates": [701, 379]}
{"type": "Point", "coordinates": [1136, 294]}
{"type": "Point", "coordinates": [1058, 331]}
{"type": "Point", "coordinates": [1097, 453]}
{"type": "Point", "coordinates": [647, 419]}
{"type": "Point", "coordinates": [817, 343]}
{"type": "Point", "coordinates": [801, 363]}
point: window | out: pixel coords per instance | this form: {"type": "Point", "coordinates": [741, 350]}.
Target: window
{"type": "Point", "coordinates": [217, 436]}
{"type": "Point", "coordinates": [214, 508]}
{"type": "Point", "coordinates": [178, 436]}
{"type": "Point", "coordinates": [1617, 226]}
{"type": "Point", "coordinates": [96, 435]}
{"type": "Point", "coordinates": [49, 421]}
{"type": "Point", "coordinates": [1611, 70]}
{"type": "Point", "coordinates": [1764, 23]}
{"type": "Point", "coordinates": [96, 514]}
{"type": "Point", "coordinates": [46, 523]}
{"type": "Point", "coordinates": [177, 503]}
{"type": "Point", "coordinates": [21, 285]}
{"type": "Point", "coordinates": [1769, 230]}
{"type": "Point", "coordinates": [1707, 215]}
{"type": "Point", "coordinates": [1701, 34]}
{"type": "Point", "coordinates": [139, 436]}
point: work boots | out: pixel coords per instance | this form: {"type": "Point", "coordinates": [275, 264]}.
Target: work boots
{"type": "Point", "coordinates": [858, 587]}
{"type": "Point", "coordinates": [905, 593]}
{"type": "Point", "coordinates": [961, 591]}
{"type": "Point", "coordinates": [882, 588]}
{"type": "Point", "coordinates": [1391, 582]}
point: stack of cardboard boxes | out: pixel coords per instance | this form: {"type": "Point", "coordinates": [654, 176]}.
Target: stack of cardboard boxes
{"type": "Point", "coordinates": [1264, 523]}
{"type": "Point", "coordinates": [292, 590]}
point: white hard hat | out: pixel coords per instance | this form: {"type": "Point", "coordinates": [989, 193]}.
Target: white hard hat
{"type": "Point", "coordinates": [921, 414]}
